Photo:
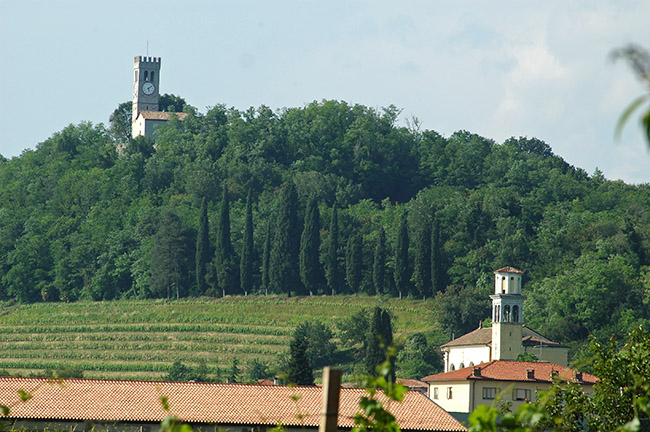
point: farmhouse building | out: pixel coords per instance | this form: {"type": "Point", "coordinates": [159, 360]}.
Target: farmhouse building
{"type": "Point", "coordinates": [460, 391]}
{"type": "Point", "coordinates": [508, 337]}
{"type": "Point", "coordinates": [81, 404]}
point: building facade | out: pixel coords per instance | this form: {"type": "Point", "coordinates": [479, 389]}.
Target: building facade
{"type": "Point", "coordinates": [460, 391]}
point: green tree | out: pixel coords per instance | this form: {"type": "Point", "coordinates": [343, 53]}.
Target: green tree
{"type": "Point", "coordinates": [224, 259]}
{"type": "Point", "coordinates": [258, 369]}
{"type": "Point", "coordinates": [418, 358]}
{"type": "Point", "coordinates": [379, 263]}
{"type": "Point", "coordinates": [378, 339]}
{"type": "Point", "coordinates": [299, 369]}
{"type": "Point", "coordinates": [171, 103]}
{"type": "Point", "coordinates": [422, 266]}
{"type": "Point", "coordinates": [179, 372]}
{"type": "Point", "coordinates": [284, 271]}
{"type": "Point", "coordinates": [248, 248]}
{"type": "Point", "coordinates": [354, 328]}
{"type": "Point", "coordinates": [120, 122]}
{"type": "Point", "coordinates": [169, 263]}
{"type": "Point", "coordinates": [402, 258]}
{"type": "Point", "coordinates": [333, 266]}
{"type": "Point", "coordinates": [203, 251]}
{"type": "Point", "coordinates": [266, 259]}
{"type": "Point", "coordinates": [437, 272]}
{"type": "Point", "coordinates": [320, 347]}
{"type": "Point", "coordinates": [234, 373]}
{"type": "Point", "coordinates": [310, 267]}
{"type": "Point", "coordinates": [354, 262]}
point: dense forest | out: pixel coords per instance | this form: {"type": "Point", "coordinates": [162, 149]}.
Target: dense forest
{"type": "Point", "coordinates": [328, 198]}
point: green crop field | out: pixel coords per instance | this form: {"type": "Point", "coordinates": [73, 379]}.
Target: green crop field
{"type": "Point", "coordinates": [141, 339]}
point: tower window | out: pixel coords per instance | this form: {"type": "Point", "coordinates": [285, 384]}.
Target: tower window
{"type": "Point", "coordinates": [506, 313]}
{"type": "Point", "coordinates": [152, 72]}
{"type": "Point", "coordinates": [146, 75]}
{"type": "Point", "coordinates": [136, 76]}
{"type": "Point", "coordinates": [515, 314]}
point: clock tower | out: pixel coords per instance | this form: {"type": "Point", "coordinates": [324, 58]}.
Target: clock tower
{"type": "Point", "coordinates": [145, 87]}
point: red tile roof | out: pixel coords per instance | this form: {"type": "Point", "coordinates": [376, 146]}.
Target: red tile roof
{"type": "Point", "coordinates": [483, 336]}
{"type": "Point", "coordinates": [245, 404]}
{"type": "Point", "coordinates": [410, 383]}
{"type": "Point", "coordinates": [160, 115]}
{"type": "Point", "coordinates": [510, 370]}
{"type": "Point", "coordinates": [508, 269]}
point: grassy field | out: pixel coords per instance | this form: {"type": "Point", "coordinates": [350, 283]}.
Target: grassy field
{"type": "Point", "coordinates": [141, 339]}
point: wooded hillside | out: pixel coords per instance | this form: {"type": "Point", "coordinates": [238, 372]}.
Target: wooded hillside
{"type": "Point", "coordinates": [416, 214]}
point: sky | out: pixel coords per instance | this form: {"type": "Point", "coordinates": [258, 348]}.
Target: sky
{"type": "Point", "coordinates": [495, 68]}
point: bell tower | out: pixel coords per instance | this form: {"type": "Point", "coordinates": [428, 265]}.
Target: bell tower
{"type": "Point", "coordinates": [507, 314]}
{"type": "Point", "coordinates": [145, 87]}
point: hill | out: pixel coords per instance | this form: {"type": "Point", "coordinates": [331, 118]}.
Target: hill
{"type": "Point", "coordinates": [140, 339]}
{"type": "Point", "coordinates": [417, 214]}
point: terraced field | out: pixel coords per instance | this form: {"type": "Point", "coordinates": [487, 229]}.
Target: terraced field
{"type": "Point", "coordinates": [141, 339]}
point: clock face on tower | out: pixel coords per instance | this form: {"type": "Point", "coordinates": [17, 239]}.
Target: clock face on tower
{"type": "Point", "coordinates": [148, 88]}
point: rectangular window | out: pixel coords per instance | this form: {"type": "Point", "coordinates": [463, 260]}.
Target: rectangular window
{"type": "Point", "coordinates": [521, 394]}
{"type": "Point", "coordinates": [435, 392]}
{"type": "Point", "coordinates": [449, 392]}
{"type": "Point", "coordinates": [489, 392]}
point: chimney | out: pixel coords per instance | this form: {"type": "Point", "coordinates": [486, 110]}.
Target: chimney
{"type": "Point", "coordinates": [476, 372]}
{"type": "Point", "coordinates": [530, 373]}
{"type": "Point", "coordinates": [275, 380]}
{"type": "Point", "coordinates": [578, 375]}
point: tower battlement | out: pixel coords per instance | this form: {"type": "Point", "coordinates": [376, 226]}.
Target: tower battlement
{"type": "Point", "coordinates": [144, 59]}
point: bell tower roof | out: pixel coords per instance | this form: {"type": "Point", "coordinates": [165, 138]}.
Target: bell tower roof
{"type": "Point", "coordinates": [508, 269]}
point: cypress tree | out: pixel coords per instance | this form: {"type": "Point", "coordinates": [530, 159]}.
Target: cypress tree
{"type": "Point", "coordinates": [300, 371]}
{"type": "Point", "coordinates": [202, 249]}
{"type": "Point", "coordinates": [224, 256]}
{"type": "Point", "coordinates": [401, 257]}
{"type": "Point", "coordinates": [310, 268]}
{"type": "Point", "coordinates": [353, 262]}
{"type": "Point", "coordinates": [332, 268]}
{"type": "Point", "coordinates": [284, 271]}
{"type": "Point", "coordinates": [379, 263]}
{"type": "Point", "coordinates": [437, 277]}
{"type": "Point", "coordinates": [246, 263]}
{"type": "Point", "coordinates": [422, 266]}
{"type": "Point", "coordinates": [378, 339]}
{"type": "Point", "coordinates": [266, 258]}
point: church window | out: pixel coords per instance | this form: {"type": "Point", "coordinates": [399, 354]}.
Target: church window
{"type": "Point", "coordinates": [449, 392]}
{"type": "Point", "coordinates": [471, 363]}
{"type": "Point", "coordinates": [452, 367]}
{"type": "Point", "coordinates": [462, 365]}
{"type": "Point", "coordinates": [515, 314]}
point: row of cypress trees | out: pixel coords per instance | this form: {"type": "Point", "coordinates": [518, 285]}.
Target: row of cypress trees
{"type": "Point", "coordinates": [291, 261]}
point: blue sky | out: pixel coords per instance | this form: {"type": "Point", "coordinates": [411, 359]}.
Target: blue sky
{"type": "Point", "coordinates": [495, 68]}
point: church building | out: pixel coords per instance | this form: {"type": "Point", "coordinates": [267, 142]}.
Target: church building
{"type": "Point", "coordinates": [146, 116]}
{"type": "Point", "coordinates": [508, 337]}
